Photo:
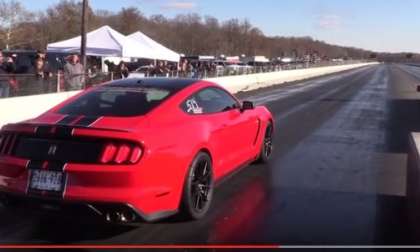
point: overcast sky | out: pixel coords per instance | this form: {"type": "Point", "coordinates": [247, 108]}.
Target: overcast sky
{"type": "Point", "coordinates": [380, 25]}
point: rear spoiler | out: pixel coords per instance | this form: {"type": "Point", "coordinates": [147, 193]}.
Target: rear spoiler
{"type": "Point", "coordinates": [33, 128]}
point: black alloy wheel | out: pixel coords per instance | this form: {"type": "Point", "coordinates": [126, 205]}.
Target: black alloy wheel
{"type": "Point", "coordinates": [267, 145]}
{"type": "Point", "coordinates": [198, 189]}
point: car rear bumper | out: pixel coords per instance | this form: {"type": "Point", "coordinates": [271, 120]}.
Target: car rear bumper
{"type": "Point", "coordinates": [107, 191]}
{"type": "Point", "coordinates": [122, 213]}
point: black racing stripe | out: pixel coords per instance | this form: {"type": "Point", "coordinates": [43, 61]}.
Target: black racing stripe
{"type": "Point", "coordinates": [43, 130]}
{"type": "Point", "coordinates": [34, 164]}
{"type": "Point", "coordinates": [86, 121]}
{"type": "Point", "coordinates": [64, 132]}
{"type": "Point", "coordinates": [67, 120]}
{"type": "Point", "coordinates": [55, 166]}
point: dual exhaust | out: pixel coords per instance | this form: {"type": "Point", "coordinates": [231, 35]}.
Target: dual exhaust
{"type": "Point", "coordinates": [120, 217]}
{"type": "Point", "coordinates": [118, 214]}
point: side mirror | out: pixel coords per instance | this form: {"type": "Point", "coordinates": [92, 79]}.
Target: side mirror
{"type": "Point", "coordinates": [247, 105]}
{"type": "Point", "coordinates": [418, 88]}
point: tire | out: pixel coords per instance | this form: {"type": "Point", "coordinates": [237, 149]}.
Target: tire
{"type": "Point", "coordinates": [198, 188]}
{"type": "Point", "coordinates": [266, 146]}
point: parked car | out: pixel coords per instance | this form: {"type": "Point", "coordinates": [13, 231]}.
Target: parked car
{"type": "Point", "coordinates": [239, 68]}
{"type": "Point", "coordinates": [134, 149]}
{"type": "Point", "coordinates": [220, 67]}
{"type": "Point", "coordinates": [141, 72]}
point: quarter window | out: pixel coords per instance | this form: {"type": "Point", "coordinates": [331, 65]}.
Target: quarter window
{"type": "Point", "coordinates": [117, 101]}
{"type": "Point", "coordinates": [208, 101]}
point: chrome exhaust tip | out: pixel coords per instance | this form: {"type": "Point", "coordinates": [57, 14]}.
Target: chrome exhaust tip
{"type": "Point", "coordinates": [126, 216]}
{"type": "Point", "coordinates": [120, 217]}
{"type": "Point", "coordinates": [115, 214]}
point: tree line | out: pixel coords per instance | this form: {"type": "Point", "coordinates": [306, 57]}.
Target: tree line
{"type": "Point", "coordinates": [190, 34]}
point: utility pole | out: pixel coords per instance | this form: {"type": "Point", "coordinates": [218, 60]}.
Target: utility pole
{"type": "Point", "coordinates": [83, 36]}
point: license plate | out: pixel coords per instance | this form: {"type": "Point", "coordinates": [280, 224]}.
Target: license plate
{"type": "Point", "coordinates": [46, 180]}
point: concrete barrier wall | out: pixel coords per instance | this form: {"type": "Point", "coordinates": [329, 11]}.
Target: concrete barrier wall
{"type": "Point", "coordinates": [17, 109]}
{"type": "Point", "coordinates": [413, 184]}
{"type": "Point", "coordinates": [255, 81]}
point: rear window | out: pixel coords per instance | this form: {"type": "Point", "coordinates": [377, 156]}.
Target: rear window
{"type": "Point", "coordinates": [117, 102]}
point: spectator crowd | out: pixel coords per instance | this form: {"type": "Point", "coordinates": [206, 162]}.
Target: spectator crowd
{"type": "Point", "coordinates": [36, 79]}
{"type": "Point", "coordinates": [41, 77]}
{"type": "Point", "coordinates": [46, 73]}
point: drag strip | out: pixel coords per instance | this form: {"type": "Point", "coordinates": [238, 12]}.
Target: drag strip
{"type": "Point", "coordinates": [337, 176]}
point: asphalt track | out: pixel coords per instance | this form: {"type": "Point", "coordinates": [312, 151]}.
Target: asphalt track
{"type": "Point", "coordinates": [337, 176]}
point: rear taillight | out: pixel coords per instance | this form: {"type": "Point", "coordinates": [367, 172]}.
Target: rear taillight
{"type": "Point", "coordinates": [109, 153]}
{"type": "Point", "coordinates": [121, 154]}
{"type": "Point", "coordinates": [136, 155]}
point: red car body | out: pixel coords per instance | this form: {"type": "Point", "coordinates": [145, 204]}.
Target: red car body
{"type": "Point", "coordinates": [162, 144]}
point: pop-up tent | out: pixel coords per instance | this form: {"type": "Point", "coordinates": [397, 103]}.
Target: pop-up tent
{"type": "Point", "coordinates": [105, 41]}
{"type": "Point", "coordinates": [160, 52]}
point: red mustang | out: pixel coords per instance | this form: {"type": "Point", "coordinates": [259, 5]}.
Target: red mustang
{"type": "Point", "coordinates": [135, 149]}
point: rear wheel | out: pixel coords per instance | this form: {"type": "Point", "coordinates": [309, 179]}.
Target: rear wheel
{"type": "Point", "coordinates": [267, 145]}
{"type": "Point", "coordinates": [198, 188]}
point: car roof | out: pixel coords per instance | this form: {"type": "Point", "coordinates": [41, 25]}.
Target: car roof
{"type": "Point", "coordinates": [172, 84]}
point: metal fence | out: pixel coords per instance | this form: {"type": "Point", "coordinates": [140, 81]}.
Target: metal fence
{"type": "Point", "coordinates": [13, 85]}
{"type": "Point", "coordinates": [244, 70]}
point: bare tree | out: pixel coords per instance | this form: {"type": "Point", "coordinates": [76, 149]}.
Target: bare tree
{"type": "Point", "coordinates": [190, 34]}
{"type": "Point", "coordinates": [12, 14]}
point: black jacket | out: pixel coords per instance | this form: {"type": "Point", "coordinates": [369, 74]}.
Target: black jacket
{"type": "Point", "coordinates": [3, 72]}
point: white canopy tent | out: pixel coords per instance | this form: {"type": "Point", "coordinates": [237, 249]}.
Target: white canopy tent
{"type": "Point", "coordinates": [160, 51]}
{"type": "Point", "coordinates": [105, 41]}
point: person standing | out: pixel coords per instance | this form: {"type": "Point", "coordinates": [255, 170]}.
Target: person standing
{"type": "Point", "coordinates": [157, 71]}
{"type": "Point", "coordinates": [42, 78]}
{"type": "Point", "coordinates": [73, 74]}
{"type": "Point", "coordinates": [4, 79]}
{"type": "Point", "coordinates": [122, 71]}
{"type": "Point", "coordinates": [166, 69]}
{"type": "Point", "coordinates": [184, 68]}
